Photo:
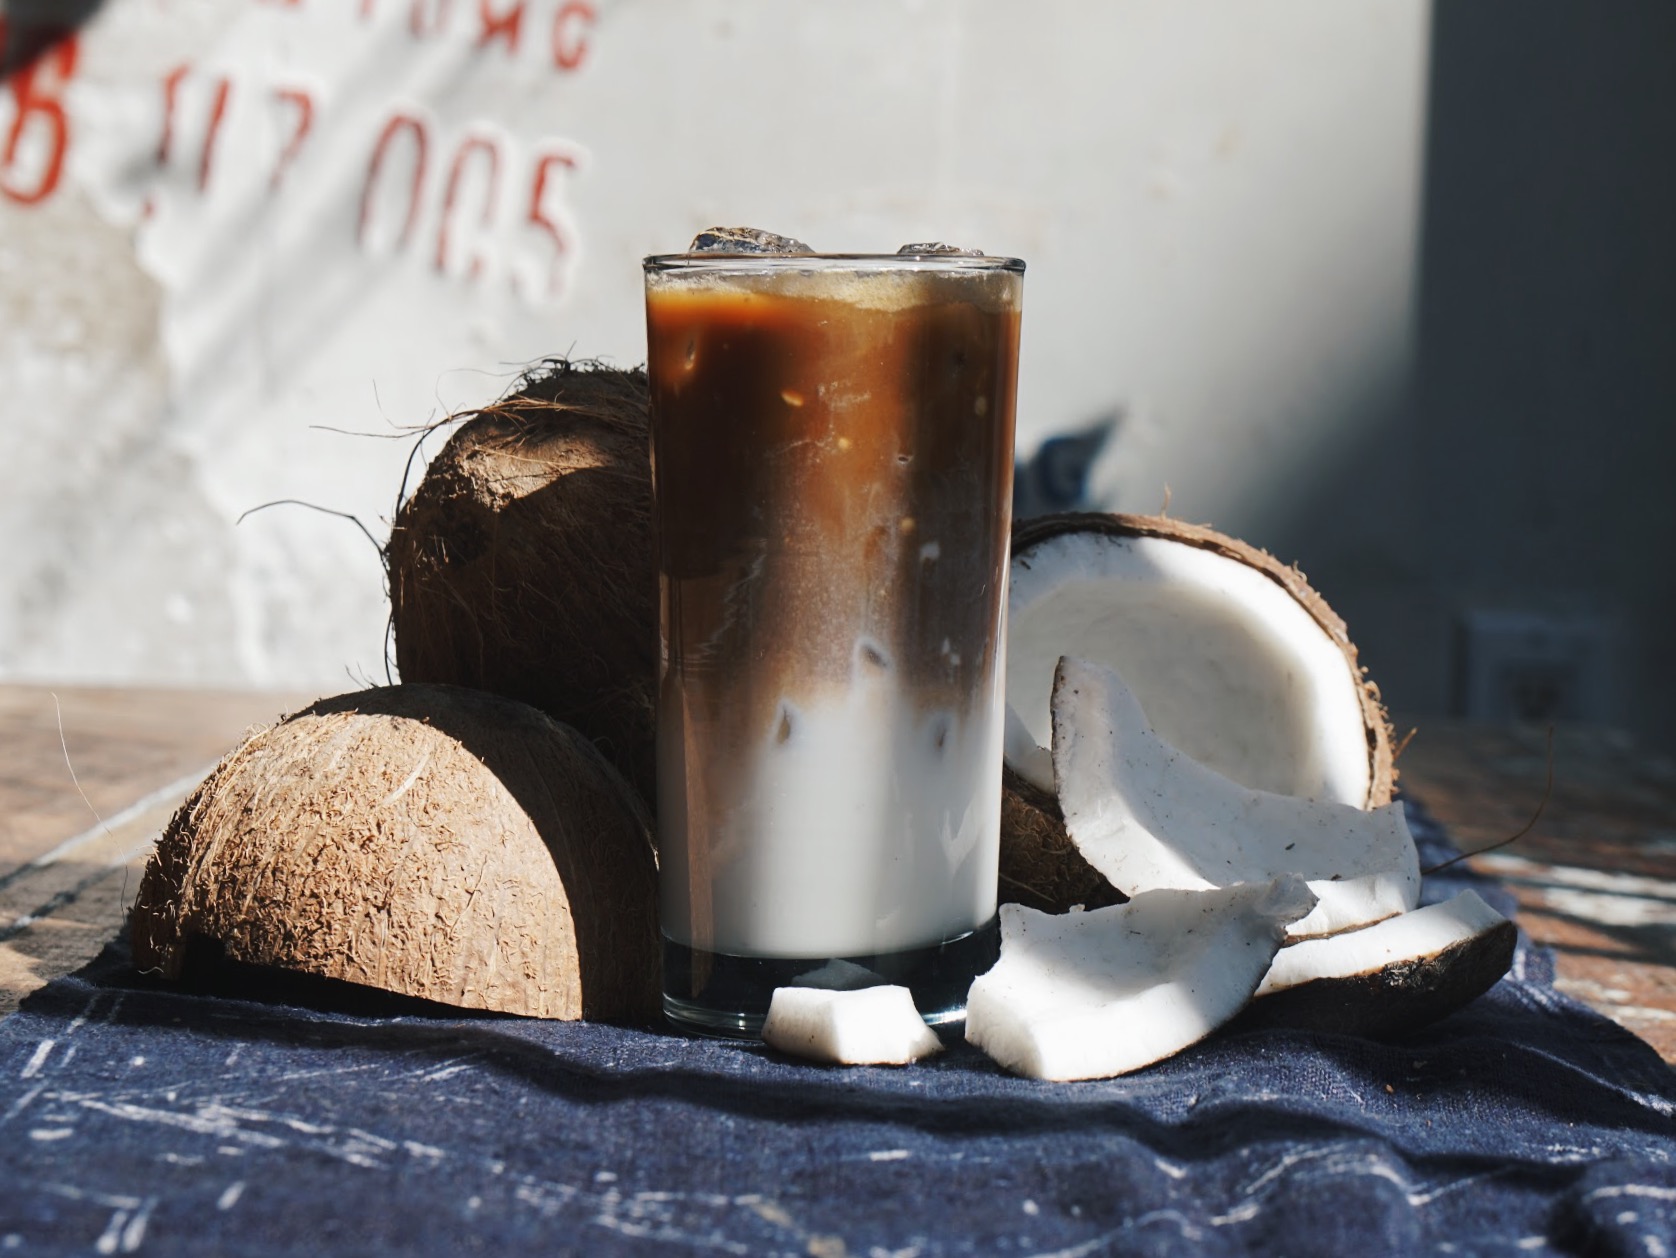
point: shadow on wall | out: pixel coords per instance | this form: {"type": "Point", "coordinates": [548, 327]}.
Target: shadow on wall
{"type": "Point", "coordinates": [1055, 478]}
{"type": "Point", "coordinates": [29, 27]}
{"type": "Point", "coordinates": [1500, 543]}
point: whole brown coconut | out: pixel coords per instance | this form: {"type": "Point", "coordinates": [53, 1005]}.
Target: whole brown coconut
{"type": "Point", "coordinates": [523, 564]}
{"type": "Point", "coordinates": [1040, 866]}
{"type": "Point", "coordinates": [428, 840]}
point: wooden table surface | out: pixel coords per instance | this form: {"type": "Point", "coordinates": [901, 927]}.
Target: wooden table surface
{"type": "Point", "coordinates": [89, 776]}
{"type": "Point", "coordinates": [1595, 876]}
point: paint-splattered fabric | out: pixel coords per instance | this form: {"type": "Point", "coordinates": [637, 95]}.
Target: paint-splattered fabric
{"type": "Point", "coordinates": [137, 1119]}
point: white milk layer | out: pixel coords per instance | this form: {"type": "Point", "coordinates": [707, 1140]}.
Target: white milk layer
{"type": "Point", "coordinates": [862, 824]}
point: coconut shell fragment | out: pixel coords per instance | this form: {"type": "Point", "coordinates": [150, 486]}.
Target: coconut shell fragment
{"type": "Point", "coordinates": [431, 841]}
{"type": "Point", "coordinates": [1391, 979]}
{"type": "Point", "coordinates": [1395, 1001]}
{"type": "Point", "coordinates": [523, 563]}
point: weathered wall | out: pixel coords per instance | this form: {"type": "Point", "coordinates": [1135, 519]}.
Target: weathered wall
{"type": "Point", "coordinates": [245, 285]}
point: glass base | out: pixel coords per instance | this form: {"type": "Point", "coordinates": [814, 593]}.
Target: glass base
{"type": "Point", "coordinates": [718, 994]}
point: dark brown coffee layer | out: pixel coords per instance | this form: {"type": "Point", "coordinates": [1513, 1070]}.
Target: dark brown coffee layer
{"type": "Point", "coordinates": [832, 483]}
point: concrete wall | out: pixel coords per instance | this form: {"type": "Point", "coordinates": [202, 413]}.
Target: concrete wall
{"type": "Point", "coordinates": [245, 283]}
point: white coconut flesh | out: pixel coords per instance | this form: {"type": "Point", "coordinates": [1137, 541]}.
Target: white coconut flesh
{"type": "Point", "coordinates": [873, 1026]}
{"type": "Point", "coordinates": [1411, 936]}
{"type": "Point", "coordinates": [1146, 815]}
{"type": "Point", "coordinates": [1228, 666]}
{"type": "Point", "coordinates": [1088, 995]}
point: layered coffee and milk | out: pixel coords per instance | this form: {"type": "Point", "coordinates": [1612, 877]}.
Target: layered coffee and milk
{"type": "Point", "coordinates": [832, 455]}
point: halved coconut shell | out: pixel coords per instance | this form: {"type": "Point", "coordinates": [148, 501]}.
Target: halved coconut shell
{"type": "Point", "coordinates": [1235, 660]}
{"type": "Point", "coordinates": [430, 841]}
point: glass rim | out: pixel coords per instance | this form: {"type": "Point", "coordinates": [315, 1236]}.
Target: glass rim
{"type": "Point", "coordinates": [716, 262]}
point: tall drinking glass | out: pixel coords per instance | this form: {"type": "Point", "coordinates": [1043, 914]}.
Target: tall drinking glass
{"type": "Point", "coordinates": [832, 441]}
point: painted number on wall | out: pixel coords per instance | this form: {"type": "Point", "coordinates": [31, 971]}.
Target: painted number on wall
{"type": "Point", "coordinates": [35, 137]}
{"type": "Point", "coordinates": [481, 200]}
{"type": "Point", "coordinates": [480, 193]}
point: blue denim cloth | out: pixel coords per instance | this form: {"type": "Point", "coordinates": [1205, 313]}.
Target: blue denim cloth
{"type": "Point", "coordinates": [139, 1119]}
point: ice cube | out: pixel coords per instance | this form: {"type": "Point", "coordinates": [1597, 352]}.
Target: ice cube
{"type": "Point", "coordinates": [744, 240]}
{"type": "Point", "coordinates": [936, 247]}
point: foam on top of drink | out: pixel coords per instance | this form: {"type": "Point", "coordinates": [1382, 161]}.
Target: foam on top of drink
{"type": "Point", "coordinates": [883, 283]}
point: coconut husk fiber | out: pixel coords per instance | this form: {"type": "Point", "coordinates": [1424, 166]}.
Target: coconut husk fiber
{"type": "Point", "coordinates": [431, 841]}
{"type": "Point", "coordinates": [523, 563]}
{"type": "Point", "coordinates": [1040, 865]}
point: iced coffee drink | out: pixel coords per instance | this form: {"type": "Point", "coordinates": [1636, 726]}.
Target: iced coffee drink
{"type": "Point", "coordinates": [832, 461]}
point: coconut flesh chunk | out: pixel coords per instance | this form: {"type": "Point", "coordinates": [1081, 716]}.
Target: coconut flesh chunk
{"type": "Point", "coordinates": [1226, 660]}
{"type": "Point", "coordinates": [872, 1026]}
{"type": "Point", "coordinates": [1088, 995]}
{"type": "Point", "coordinates": [1146, 816]}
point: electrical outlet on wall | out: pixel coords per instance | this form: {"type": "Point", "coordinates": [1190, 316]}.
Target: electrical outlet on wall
{"type": "Point", "coordinates": [1534, 666]}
